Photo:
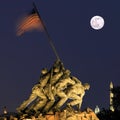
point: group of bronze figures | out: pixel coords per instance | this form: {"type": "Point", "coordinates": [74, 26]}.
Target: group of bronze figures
{"type": "Point", "coordinates": [55, 87]}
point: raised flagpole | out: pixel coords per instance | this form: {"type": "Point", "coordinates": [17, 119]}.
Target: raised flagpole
{"type": "Point", "coordinates": [48, 36]}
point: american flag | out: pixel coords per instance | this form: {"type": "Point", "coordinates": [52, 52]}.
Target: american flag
{"type": "Point", "coordinates": [29, 23]}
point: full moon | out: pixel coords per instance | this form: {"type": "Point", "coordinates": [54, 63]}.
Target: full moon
{"type": "Point", "coordinates": [97, 22]}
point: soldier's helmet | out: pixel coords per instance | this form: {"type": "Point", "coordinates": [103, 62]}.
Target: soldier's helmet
{"type": "Point", "coordinates": [67, 72]}
{"type": "Point", "coordinates": [44, 71]}
{"type": "Point", "coordinates": [56, 69]}
{"type": "Point", "coordinates": [86, 86]}
{"type": "Point", "coordinates": [57, 62]}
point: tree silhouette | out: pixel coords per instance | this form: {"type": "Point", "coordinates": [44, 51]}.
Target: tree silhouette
{"type": "Point", "coordinates": [107, 114]}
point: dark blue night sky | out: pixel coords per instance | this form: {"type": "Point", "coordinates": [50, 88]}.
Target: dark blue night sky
{"type": "Point", "coordinates": [91, 55]}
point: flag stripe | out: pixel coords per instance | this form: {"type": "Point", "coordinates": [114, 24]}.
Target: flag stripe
{"type": "Point", "coordinates": [29, 19]}
{"type": "Point", "coordinates": [29, 23]}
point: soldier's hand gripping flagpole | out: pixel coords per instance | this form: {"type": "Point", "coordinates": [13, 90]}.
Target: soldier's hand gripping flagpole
{"type": "Point", "coordinates": [48, 36]}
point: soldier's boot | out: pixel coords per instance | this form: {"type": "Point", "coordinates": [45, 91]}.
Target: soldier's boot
{"type": "Point", "coordinates": [21, 110]}
{"type": "Point", "coordinates": [69, 105]}
{"type": "Point", "coordinates": [31, 112]}
{"type": "Point", "coordinates": [40, 105]}
{"type": "Point", "coordinates": [37, 113]}
{"type": "Point", "coordinates": [22, 107]}
{"type": "Point", "coordinates": [48, 106]}
{"type": "Point", "coordinates": [61, 102]}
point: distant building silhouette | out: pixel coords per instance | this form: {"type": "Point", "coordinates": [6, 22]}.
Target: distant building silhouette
{"type": "Point", "coordinates": [111, 97]}
{"type": "Point", "coordinates": [7, 115]}
{"type": "Point", "coordinates": [97, 109]}
{"type": "Point", "coordinates": [4, 110]}
{"type": "Point", "coordinates": [116, 98]}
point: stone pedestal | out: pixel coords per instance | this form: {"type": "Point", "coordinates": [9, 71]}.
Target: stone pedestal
{"type": "Point", "coordinates": [67, 114]}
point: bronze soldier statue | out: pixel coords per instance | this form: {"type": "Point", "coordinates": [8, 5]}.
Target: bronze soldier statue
{"type": "Point", "coordinates": [54, 88]}
{"type": "Point", "coordinates": [60, 86]}
{"type": "Point", "coordinates": [37, 92]}
{"type": "Point", "coordinates": [50, 91]}
{"type": "Point", "coordinates": [76, 93]}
